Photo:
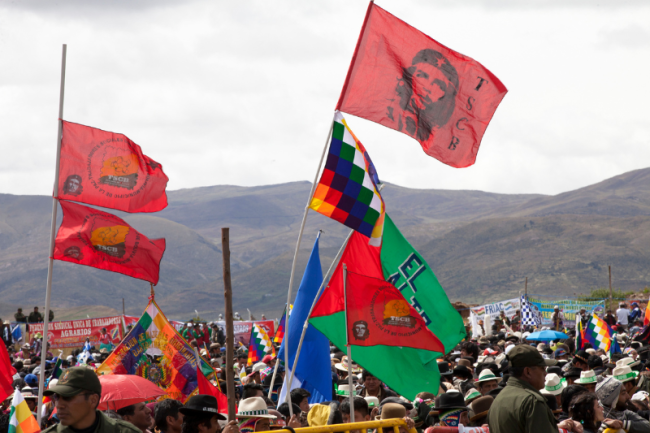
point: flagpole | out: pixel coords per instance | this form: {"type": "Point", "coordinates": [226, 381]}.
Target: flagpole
{"type": "Point", "coordinates": [351, 394]}
{"type": "Point", "coordinates": [295, 254]}
{"type": "Point", "coordinates": [313, 305]}
{"type": "Point", "coordinates": [277, 361]}
{"type": "Point", "coordinates": [50, 265]}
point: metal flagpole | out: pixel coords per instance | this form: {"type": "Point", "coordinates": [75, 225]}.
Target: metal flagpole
{"type": "Point", "coordinates": [295, 256]}
{"type": "Point", "coordinates": [313, 305]}
{"type": "Point", "coordinates": [50, 265]}
{"type": "Point", "coordinates": [347, 343]}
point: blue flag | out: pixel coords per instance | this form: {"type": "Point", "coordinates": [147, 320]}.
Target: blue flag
{"type": "Point", "coordinates": [313, 371]}
{"type": "Point", "coordinates": [17, 333]}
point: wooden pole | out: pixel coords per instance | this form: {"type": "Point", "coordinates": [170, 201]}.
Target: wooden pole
{"type": "Point", "coordinates": [230, 334]}
{"type": "Point", "coordinates": [50, 264]}
{"type": "Point", "coordinates": [611, 295]}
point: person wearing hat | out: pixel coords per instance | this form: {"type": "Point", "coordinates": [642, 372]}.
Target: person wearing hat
{"type": "Point", "coordinates": [343, 391]}
{"type": "Point", "coordinates": [255, 376]}
{"type": "Point", "coordinates": [519, 407]}
{"type": "Point", "coordinates": [624, 374]}
{"type": "Point", "coordinates": [30, 398]}
{"type": "Point", "coordinates": [76, 396]}
{"type": "Point", "coordinates": [587, 379]}
{"type": "Point", "coordinates": [480, 408]}
{"type": "Point", "coordinates": [554, 385]}
{"type": "Point", "coordinates": [487, 381]}
{"type": "Point", "coordinates": [613, 397]}
{"type": "Point", "coordinates": [342, 368]}
{"type": "Point", "coordinates": [581, 360]}
{"type": "Point", "coordinates": [201, 415]}
{"type": "Point", "coordinates": [557, 318]}
{"type": "Point", "coordinates": [25, 352]}
{"type": "Point", "coordinates": [374, 387]}
{"type": "Point", "coordinates": [253, 416]}
{"type": "Point", "coordinates": [396, 410]}
{"type": "Point", "coordinates": [451, 409]}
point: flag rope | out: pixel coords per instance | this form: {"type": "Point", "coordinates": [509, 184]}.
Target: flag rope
{"type": "Point", "coordinates": [295, 253]}
{"type": "Point", "coordinates": [50, 264]}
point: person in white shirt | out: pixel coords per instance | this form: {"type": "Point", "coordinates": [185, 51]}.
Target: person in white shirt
{"type": "Point", "coordinates": [622, 314]}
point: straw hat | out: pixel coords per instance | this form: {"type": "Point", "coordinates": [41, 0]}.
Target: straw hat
{"type": "Point", "coordinates": [343, 365]}
{"type": "Point", "coordinates": [487, 375]}
{"type": "Point", "coordinates": [588, 376]}
{"type": "Point", "coordinates": [553, 384]}
{"type": "Point", "coordinates": [253, 407]}
{"type": "Point", "coordinates": [372, 401]}
{"type": "Point", "coordinates": [624, 374]}
{"type": "Point", "coordinates": [627, 362]}
{"type": "Point", "coordinates": [471, 395]}
{"type": "Point", "coordinates": [344, 390]}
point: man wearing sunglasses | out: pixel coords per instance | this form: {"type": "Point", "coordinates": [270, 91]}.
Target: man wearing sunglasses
{"type": "Point", "coordinates": [76, 397]}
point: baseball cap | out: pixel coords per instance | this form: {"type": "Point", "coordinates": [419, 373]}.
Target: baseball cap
{"type": "Point", "coordinates": [75, 380]}
{"type": "Point", "coordinates": [527, 356]}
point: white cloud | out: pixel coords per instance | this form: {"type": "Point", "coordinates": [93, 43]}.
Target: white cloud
{"type": "Point", "coordinates": [242, 93]}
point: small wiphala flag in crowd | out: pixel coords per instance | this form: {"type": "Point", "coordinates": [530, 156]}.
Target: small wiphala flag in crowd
{"type": "Point", "coordinates": [347, 191]}
{"type": "Point", "coordinates": [260, 345]}
{"type": "Point", "coordinates": [21, 419]}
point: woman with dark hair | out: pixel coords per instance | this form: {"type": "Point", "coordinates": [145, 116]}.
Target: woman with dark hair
{"type": "Point", "coordinates": [587, 411]}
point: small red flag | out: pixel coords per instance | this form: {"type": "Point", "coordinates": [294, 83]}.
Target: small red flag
{"type": "Point", "coordinates": [402, 79]}
{"type": "Point", "coordinates": [7, 372]}
{"type": "Point", "coordinates": [206, 388]}
{"type": "Point", "coordinates": [95, 238]}
{"type": "Point", "coordinates": [107, 169]}
{"type": "Point", "coordinates": [378, 314]}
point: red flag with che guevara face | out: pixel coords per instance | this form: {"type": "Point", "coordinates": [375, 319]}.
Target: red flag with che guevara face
{"type": "Point", "coordinates": [378, 314]}
{"type": "Point", "coordinates": [402, 79]}
{"type": "Point", "coordinates": [95, 238]}
{"type": "Point", "coordinates": [107, 169]}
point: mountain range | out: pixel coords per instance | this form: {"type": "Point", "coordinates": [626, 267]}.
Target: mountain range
{"type": "Point", "coordinates": [480, 245]}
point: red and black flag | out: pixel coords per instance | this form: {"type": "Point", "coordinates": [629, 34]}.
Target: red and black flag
{"type": "Point", "coordinates": [107, 169]}
{"type": "Point", "coordinates": [403, 79]}
{"type": "Point", "coordinates": [98, 239]}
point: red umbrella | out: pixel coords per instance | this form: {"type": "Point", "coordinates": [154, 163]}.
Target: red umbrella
{"type": "Point", "coordinates": [120, 390]}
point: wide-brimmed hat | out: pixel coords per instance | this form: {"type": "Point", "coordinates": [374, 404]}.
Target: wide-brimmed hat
{"type": "Point", "coordinates": [462, 371]}
{"type": "Point", "coordinates": [343, 365]}
{"type": "Point", "coordinates": [344, 390]}
{"type": "Point", "coordinates": [624, 374]}
{"type": "Point", "coordinates": [481, 406]}
{"type": "Point", "coordinates": [514, 336]}
{"type": "Point", "coordinates": [450, 400]}
{"type": "Point", "coordinates": [541, 347]}
{"type": "Point", "coordinates": [466, 362]}
{"type": "Point", "coordinates": [588, 376]}
{"type": "Point", "coordinates": [392, 410]}
{"type": "Point", "coordinates": [253, 407]}
{"type": "Point", "coordinates": [28, 393]}
{"type": "Point", "coordinates": [627, 362]}
{"type": "Point", "coordinates": [471, 395]}
{"type": "Point", "coordinates": [443, 366]}
{"type": "Point", "coordinates": [372, 401]}
{"type": "Point", "coordinates": [25, 347]}
{"type": "Point", "coordinates": [553, 384]}
{"type": "Point", "coordinates": [203, 404]}
{"type": "Point", "coordinates": [487, 375]}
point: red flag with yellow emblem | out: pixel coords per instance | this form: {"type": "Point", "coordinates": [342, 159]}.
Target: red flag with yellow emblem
{"type": "Point", "coordinates": [378, 314]}
{"type": "Point", "coordinates": [109, 170]}
{"type": "Point", "coordinates": [95, 238]}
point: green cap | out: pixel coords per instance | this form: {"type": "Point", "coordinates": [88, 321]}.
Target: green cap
{"type": "Point", "coordinates": [75, 380]}
{"type": "Point", "coordinates": [528, 356]}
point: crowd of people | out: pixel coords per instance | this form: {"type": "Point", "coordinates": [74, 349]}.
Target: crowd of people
{"type": "Point", "coordinates": [500, 381]}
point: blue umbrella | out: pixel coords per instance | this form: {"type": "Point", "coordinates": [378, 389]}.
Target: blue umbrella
{"type": "Point", "coordinates": [547, 336]}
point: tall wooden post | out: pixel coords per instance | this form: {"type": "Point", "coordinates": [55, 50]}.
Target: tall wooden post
{"type": "Point", "coordinates": [230, 334]}
{"type": "Point", "coordinates": [611, 295]}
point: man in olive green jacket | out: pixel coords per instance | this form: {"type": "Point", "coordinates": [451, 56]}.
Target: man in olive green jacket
{"type": "Point", "coordinates": [76, 397]}
{"type": "Point", "coordinates": [520, 408]}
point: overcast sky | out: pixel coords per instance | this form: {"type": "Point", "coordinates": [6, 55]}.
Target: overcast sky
{"type": "Point", "coordinates": [242, 92]}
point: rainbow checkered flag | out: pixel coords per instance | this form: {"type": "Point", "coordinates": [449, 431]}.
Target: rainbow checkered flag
{"type": "Point", "coordinates": [598, 334]}
{"type": "Point", "coordinates": [260, 345]}
{"type": "Point", "coordinates": [347, 191]}
{"type": "Point", "coordinates": [21, 419]}
{"type": "Point", "coordinates": [279, 333]}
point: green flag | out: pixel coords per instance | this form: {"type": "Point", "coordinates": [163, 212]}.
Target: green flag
{"type": "Point", "coordinates": [406, 370]}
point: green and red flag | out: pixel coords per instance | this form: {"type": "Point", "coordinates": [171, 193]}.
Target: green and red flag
{"type": "Point", "coordinates": [406, 370]}
{"type": "Point", "coordinates": [347, 190]}
{"type": "Point", "coordinates": [260, 345]}
{"type": "Point", "coordinates": [378, 314]}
